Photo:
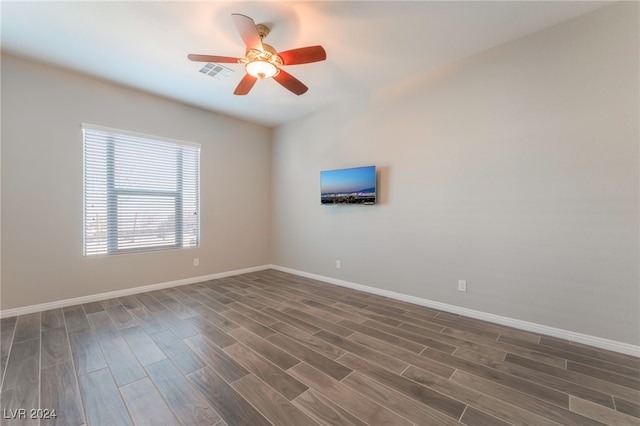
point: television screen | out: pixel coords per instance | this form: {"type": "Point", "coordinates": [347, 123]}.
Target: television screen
{"type": "Point", "coordinates": [348, 186]}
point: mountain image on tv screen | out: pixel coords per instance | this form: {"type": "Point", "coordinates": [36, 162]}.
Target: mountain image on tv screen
{"type": "Point", "coordinates": [348, 186]}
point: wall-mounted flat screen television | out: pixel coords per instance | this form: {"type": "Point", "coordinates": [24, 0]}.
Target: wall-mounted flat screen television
{"type": "Point", "coordinates": [348, 186]}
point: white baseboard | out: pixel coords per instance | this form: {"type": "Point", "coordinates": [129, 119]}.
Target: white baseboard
{"type": "Point", "coordinates": [125, 292]}
{"type": "Point", "coordinates": [586, 339]}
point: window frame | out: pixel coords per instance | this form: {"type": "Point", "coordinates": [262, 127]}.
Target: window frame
{"type": "Point", "coordinates": [113, 192]}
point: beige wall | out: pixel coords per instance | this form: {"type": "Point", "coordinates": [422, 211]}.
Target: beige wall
{"type": "Point", "coordinates": [42, 112]}
{"type": "Point", "coordinates": [516, 170]}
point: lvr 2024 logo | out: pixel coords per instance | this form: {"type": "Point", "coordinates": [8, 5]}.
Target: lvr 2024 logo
{"type": "Point", "coordinates": [23, 413]}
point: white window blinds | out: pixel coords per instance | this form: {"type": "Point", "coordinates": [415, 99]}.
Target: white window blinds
{"type": "Point", "coordinates": [140, 192]}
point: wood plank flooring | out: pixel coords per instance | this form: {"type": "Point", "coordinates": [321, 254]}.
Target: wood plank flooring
{"type": "Point", "coordinates": [270, 348]}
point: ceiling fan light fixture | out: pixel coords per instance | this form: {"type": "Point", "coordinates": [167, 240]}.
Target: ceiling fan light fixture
{"type": "Point", "coordinates": [262, 60]}
{"type": "Point", "coordinates": [260, 68]}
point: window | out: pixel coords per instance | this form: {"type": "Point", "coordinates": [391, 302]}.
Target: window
{"type": "Point", "coordinates": [140, 192]}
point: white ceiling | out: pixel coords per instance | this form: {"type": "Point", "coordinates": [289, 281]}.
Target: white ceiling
{"type": "Point", "coordinates": [369, 44]}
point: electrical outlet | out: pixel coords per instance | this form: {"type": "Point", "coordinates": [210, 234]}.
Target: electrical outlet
{"type": "Point", "coordinates": [196, 261]}
{"type": "Point", "coordinates": [338, 265]}
{"type": "Point", "coordinates": [462, 285]}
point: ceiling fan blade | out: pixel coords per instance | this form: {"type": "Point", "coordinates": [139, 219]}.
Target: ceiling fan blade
{"type": "Point", "coordinates": [247, 29]}
{"type": "Point", "coordinates": [303, 55]}
{"type": "Point", "coordinates": [291, 83]}
{"type": "Point", "coordinates": [213, 58]}
{"type": "Point", "coordinates": [245, 85]}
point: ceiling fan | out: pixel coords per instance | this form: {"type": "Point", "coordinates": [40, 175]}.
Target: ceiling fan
{"type": "Point", "coordinates": [262, 60]}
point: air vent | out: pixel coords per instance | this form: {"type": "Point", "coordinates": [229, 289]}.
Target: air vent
{"type": "Point", "coordinates": [218, 71]}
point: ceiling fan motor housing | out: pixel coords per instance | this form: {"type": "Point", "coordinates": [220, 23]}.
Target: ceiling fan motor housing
{"type": "Point", "coordinates": [263, 30]}
{"type": "Point", "coordinates": [268, 55]}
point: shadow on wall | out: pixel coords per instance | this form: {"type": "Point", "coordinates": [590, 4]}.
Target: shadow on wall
{"type": "Point", "coordinates": [382, 185]}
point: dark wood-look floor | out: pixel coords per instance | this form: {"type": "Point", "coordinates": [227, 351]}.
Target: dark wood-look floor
{"type": "Point", "coordinates": [272, 348]}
